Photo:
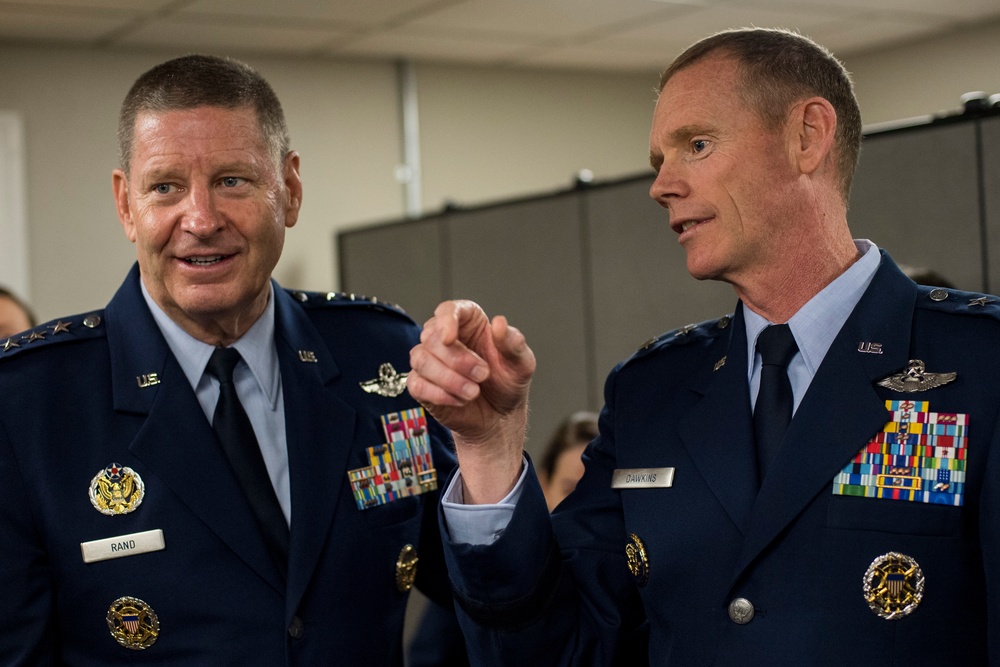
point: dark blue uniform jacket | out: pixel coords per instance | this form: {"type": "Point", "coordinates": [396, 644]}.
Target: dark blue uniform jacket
{"type": "Point", "coordinates": [562, 592]}
{"type": "Point", "coordinates": [75, 398]}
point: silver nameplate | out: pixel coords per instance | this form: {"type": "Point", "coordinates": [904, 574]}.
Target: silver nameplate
{"type": "Point", "coordinates": [642, 478]}
{"type": "Point", "coordinates": [123, 545]}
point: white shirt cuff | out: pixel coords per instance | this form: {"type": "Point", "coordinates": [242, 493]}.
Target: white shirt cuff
{"type": "Point", "coordinates": [478, 524]}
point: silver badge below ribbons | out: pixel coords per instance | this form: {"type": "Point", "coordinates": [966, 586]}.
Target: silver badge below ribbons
{"type": "Point", "coordinates": [642, 478]}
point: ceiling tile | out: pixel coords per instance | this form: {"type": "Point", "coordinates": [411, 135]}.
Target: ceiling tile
{"type": "Point", "coordinates": [135, 6]}
{"type": "Point", "coordinates": [216, 37]}
{"type": "Point", "coordinates": [966, 9]}
{"type": "Point", "coordinates": [545, 18]}
{"type": "Point", "coordinates": [433, 46]}
{"type": "Point", "coordinates": [71, 27]}
{"type": "Point", "coordinates": [590, 34]}
{"type": "Point", "coordinates": [354, 12]}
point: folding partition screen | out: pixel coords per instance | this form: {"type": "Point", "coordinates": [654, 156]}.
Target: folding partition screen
{"type": "Point", "coordinates": [589, 274]}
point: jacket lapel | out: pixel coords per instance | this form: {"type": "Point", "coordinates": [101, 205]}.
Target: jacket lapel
{"type": "Point", "coordinates": [839, 413]}
{"type": "Point", "coordinates": [320, 429]}
{"type": "Point", "coordinates": [175, 442]}
{"type": "Point", "coordinates": [716, 429]}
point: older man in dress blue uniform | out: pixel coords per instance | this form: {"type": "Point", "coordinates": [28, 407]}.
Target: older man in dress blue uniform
{"type": "Point", "coordinates": [810, 481]}
{"type": "Point", "coordinates": [213, 470]}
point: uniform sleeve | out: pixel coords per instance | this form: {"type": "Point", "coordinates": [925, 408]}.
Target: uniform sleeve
{"type": "Point", "coordinates": [26, 605]}
{"type": "Point", "coordinates": [552, 591]}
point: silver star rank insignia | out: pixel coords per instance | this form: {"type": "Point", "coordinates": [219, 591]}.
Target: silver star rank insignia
{"type": "Point", "coordinates": [916, 378]}
{"type": "Point", "coordinates": [388, 383]}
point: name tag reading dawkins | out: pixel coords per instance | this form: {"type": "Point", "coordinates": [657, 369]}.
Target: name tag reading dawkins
{"type": "Point", "coordinates": [642, 478]}
{"type": "Point", "coordinates": [123, 545]}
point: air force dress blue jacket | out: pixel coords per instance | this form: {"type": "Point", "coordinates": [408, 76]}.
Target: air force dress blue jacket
{"type": "Point", "coordinates": [873, 540]}
{"type": "Point", "coordinates": [94, 405]}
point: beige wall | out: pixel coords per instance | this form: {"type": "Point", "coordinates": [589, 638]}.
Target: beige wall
{"type": "Point", "coordinates": [486, 134]}
{"type": "Point", "coordinates": [927, 77]}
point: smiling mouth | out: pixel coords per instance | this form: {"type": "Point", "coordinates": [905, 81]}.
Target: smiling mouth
{"type": "Point", "coordinates": [688, 224]}
{"type": "Point", "coordinates": [205, 261]}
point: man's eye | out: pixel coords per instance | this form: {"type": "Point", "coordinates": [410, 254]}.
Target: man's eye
{"type": "Point", "coordinates": [698, 145]}
{"type": "Point", "coordinates": [162, 188]}
{"type": "Point", "coordinates": [231, 181]}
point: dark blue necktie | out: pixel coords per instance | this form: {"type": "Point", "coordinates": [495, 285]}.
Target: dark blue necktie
{"type": "Point", "coordinates": [773, 410]}
{"type": "Point", "coordinates": [235, 433]}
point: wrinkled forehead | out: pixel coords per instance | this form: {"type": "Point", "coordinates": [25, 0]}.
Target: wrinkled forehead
{"type": "Point", "coordinates": [200, 131]}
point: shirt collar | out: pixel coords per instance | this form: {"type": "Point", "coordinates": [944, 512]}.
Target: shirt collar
{"type": "Point", "coordinates": [818, 322]}
{"type": "Point", "coordinates": [256, 347]}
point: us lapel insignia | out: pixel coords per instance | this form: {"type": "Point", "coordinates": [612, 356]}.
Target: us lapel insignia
{"type": "Point", "coordinates": [116, 490]}
{"type": "Point", "coordinates": [916, 378]}
{"type": "Point", "coordinates": [406, 568]}
{"type": "Point", "coordinates": [389, 383]}
{"type": "Point", "coordinates": [133, 623]}
{"type": "Point", "coordinates": [919, 456]}
{"type": "Point", "coordinates": [401, 467]}
{"type": "Point", "coordinates": [893, 585]}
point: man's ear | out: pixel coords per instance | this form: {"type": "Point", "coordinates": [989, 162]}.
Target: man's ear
{"type": "Point", "coordinates": [293, 188]}
{"type": "Point", "coordinates": [119, 187]}
{"type": "Point", "coordinates": [814, 124]}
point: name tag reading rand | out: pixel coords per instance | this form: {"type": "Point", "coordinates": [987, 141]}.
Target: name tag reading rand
{"type": "Point", "coordinates": [642, 478]}
{"type": "Point", "coordinates": [123, 545]}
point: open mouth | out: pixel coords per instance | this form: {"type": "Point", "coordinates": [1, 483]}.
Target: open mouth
{"type": "Point", "coordinates": [205, 261]}
{"type": "Point", "coordinates": [688, 224]}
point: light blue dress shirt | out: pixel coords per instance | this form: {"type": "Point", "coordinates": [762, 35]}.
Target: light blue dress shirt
{"type": "Point", "coordinates": [258, 384]}
{"type": "Point", "coordinates": [814, 326]}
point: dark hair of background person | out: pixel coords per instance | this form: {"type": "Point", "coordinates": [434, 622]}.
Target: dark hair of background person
{"type": "Point", "coordinates": [577, 429]}
{"type": "Point", "coordinates": [7, 294]}
{"type": "Point", "coordinates": [195, 81]}
{"type": "Point", "coordinates": [779, 67]}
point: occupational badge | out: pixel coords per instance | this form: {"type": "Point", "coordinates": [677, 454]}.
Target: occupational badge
{"type": "Point", "coordinates": [918, 456]}
{"type": "Point", "coordinates": [638, 561]}
{"type": "Point", "coordinates": [916, 378]}
{"type": "Point", "coordinates": [133, 623]}
{"type": "Point", "coordinates": [116, 490]}
{"type": "Point", "coordinates": [893, 585]}
{"type": "Point", "coordinates": [388, 383]}
{"type": "Point", "coordinates": [406, 568]}
{"type": "Point", "coordinates": [400, 467]}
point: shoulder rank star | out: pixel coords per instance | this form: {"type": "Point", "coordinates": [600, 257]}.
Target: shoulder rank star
{"type": "Point", "coordinates": [388, 383]}
{"type": "Point", "coordinates": [915, 378]}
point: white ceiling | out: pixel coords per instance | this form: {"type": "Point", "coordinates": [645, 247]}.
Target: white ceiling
{"type": "Point", "coordinates": [622, 35]}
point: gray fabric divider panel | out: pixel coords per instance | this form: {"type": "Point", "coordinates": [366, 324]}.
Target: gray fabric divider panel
{"type": "Point", "coordinates": [916, 195]}
{"type": "Point", "coordinates": [523, 260]}
{"type": "Point", "coordinates": [991, 181]}
{"type": "Point", "coordinates": [400, 263]}
{"type": "Point", "coordinates": [639, 278]}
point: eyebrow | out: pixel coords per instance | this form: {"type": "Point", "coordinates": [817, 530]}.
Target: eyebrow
{"type": "Point", "coordinates": [685, 132]}
{"type": "Point", "coordinates": [168, 172]}
{"type": "Point", "coordinates": [676, 136]}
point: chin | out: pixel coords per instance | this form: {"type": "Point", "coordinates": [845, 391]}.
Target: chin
{"type": "Point", "coordinates": [703, 270]}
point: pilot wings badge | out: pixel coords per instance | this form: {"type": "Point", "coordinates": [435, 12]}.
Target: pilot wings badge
{"type": "Point", "coordinates": [916, 378]}
{"type": "Point", "coordinates": [388, 383]}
